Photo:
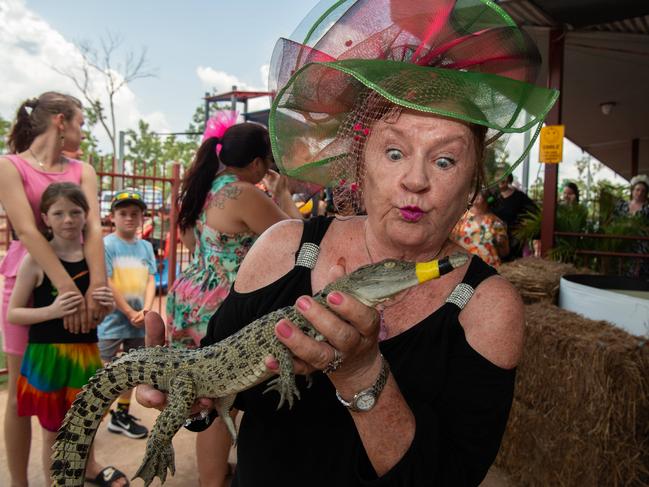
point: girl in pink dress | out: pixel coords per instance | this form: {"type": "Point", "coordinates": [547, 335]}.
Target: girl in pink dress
{"type": "Point", "coordinates": [44, 128]}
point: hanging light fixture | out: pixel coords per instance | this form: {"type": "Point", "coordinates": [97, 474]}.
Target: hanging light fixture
{"type": "Point", "coordinates": [606, 107]}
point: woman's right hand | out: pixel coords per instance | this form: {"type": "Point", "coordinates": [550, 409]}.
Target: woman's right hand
{"type": "Point", "coordinates": [150, 397]}
{"type": "Point", "coordinates": [104, 296]}
{"type": "Point", "coordinates": [275, 182]}
{"type": "Point", "coordinates": [66, 304]}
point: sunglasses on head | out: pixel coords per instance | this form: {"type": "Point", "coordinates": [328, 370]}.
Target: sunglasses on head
{"type": "Point", "coordinates": [131, 196]}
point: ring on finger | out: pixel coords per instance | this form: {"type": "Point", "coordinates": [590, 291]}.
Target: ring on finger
{"type": "Point", "coordinates": [335, 362]}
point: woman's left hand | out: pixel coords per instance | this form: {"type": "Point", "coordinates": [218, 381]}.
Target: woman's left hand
{"type": "Point", "coordinates": [349, 327]}
{"type": "Point", "coordinates": [95, 309]}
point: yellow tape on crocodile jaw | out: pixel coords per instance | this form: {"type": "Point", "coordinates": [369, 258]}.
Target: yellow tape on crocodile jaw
{"type": "Point", "coordinates": [427, 270]}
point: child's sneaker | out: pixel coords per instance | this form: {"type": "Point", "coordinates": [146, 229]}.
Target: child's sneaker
{"type": "Point", "coordinates": [125, 424]}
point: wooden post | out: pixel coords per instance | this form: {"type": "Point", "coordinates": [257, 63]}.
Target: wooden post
{"type": "Point", "coordinates": [207, 110]}
{"type": "Point", "coordinates": [555, 80]}
{"type": "Point", "coordinates": [635, 156]}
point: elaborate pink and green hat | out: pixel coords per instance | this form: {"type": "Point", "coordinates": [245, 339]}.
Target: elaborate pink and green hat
{"type": "Point", "coordinates": [349, 61]}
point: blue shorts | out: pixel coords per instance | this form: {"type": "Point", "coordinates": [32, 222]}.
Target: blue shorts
{"type": "Point", "coordinates": [110, 348]}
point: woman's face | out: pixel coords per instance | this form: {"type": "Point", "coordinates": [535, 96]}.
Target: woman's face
{"type": "Point", "coordinates": [260, 167]}
{"type": "Point", "coordinates": [418, 175]}
{"type": "Point", "coordinates": [639, 193]}
{"type": "Point", "coordinates": [569, 196]}
{"type": "Point", "coordinates": [72, 132]}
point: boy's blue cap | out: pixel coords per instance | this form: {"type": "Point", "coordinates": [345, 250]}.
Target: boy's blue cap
{"type": "Point", "coordinates": [122, 197]}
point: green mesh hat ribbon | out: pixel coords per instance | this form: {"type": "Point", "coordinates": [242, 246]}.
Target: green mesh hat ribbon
{"type": "Point", "coordinates": [350, 61]}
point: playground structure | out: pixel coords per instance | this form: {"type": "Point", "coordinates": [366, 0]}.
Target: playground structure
{"type": "Point", "coordinates": [236, 96]}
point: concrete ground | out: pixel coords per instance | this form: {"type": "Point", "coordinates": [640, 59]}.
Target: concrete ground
{"type": "Point", "coordinates": [126, 454]}
{"type": "Point", "coordinates": [111, 449]}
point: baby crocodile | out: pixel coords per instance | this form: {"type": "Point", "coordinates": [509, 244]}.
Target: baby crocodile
{"type": "Point", "coordinates": [219, 371]}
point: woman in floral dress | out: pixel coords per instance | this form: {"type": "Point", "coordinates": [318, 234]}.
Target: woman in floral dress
{"type": "Point", "coordinates": [638, 208]}
{"type": "Point", "coordinates": [221, 215]}
{"type": "Point", "coordinates": [481, 232]}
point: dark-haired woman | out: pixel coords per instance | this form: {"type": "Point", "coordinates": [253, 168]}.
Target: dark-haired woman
{"type": "Point", "coordinates": [44, 128]}
{"type": "Point", "coordinates": [221, 215]}
{"type": "Point", "coordinates": [638, 208]}
{"type": "Point", "coordinates": [570, 194]}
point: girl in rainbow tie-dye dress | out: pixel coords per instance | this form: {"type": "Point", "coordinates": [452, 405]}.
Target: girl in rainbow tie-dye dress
{"type": "Point", "coordinates": [57, 363]}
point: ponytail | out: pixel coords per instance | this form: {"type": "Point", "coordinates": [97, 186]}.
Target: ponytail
{"type": "Point", "coordinates": [20, 137]}
{"type": "Point", "coordinates": [34, 117]}
{"type": "Point", "coordinates": [197, 183]}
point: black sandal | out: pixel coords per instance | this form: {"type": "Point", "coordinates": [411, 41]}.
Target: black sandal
{"type": "Point", "coordinates": [107, 476]}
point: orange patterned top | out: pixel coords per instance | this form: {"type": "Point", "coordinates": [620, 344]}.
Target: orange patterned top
{"type": "Point", "coordinates": [478, 236]}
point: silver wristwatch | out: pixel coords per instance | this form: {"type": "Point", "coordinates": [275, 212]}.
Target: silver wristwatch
{"type": "Point", "coordinates": [366, 399]}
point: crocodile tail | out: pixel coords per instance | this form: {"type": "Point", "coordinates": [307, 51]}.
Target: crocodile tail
{"type": "Point", "coordinates": [72, 446]}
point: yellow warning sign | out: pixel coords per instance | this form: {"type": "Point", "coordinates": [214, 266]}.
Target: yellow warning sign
{"type": "Point", "coordinates": [551, 144]}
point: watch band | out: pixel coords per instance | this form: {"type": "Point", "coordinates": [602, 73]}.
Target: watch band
{"type": "Point", "coordinates": [366, 399]}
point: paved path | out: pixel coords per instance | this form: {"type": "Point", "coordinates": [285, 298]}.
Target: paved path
{"type": "Point", "coordinates": [118, 450]}
{"type": "Point", "coordinates": [126, 454]}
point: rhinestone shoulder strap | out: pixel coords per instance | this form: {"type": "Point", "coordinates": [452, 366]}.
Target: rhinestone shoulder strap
{"type": "Point", "coordinates": [308, 255]}
{"type": "Point", "coordinates": [460, 295]}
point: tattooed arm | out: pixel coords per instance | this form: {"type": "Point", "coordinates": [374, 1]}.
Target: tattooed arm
{"type": "Point", "coordinates": [229, 192]}
{"type": "Point", "coordinates": [241, 207]}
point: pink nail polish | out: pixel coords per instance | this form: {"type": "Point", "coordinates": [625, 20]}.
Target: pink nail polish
{"type": "Point", "coordinates": [284, 330]}
{"type": "Point", "coordinates": [335, 298]}
{"type": "Point", "coordinates": [272, 364]}
{"type": "Point", "coordinates": [303, 304]}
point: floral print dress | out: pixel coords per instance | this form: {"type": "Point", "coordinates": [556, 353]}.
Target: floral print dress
{"type": "Point", "coordinates": [478, 236]}
{"type": "Point", "coordinates": [637, 268]}
{"type": "Point", "coordinates": [205, 283]}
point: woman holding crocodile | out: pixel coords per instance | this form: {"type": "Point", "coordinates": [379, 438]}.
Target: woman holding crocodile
{"type": "Point", "coordinates": [418, 392]}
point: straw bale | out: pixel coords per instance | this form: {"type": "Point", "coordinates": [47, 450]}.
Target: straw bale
{"type": "Point", "coordinates": [536, 279]}
{"type": "Point", "coordinates": [581, 409]}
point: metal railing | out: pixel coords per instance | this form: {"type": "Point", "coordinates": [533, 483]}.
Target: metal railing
{"type": "Point", "coordinates": [608, 257]}
{"type": "Point", "coordinates": [160, 192]}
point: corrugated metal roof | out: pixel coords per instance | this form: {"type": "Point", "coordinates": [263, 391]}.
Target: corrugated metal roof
{"type": "Point", "coordinates": [606, 58]}
{"type": "Point", "coordinates": [636, 25]}
{"type": "Point", "coordinates": [526, 13]}
{"type": "Point", "coordinates": [532, 13]}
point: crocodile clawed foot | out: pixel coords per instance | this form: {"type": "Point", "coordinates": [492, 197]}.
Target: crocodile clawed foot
{"type": "Point", "coordinates": [158, 458]}
{"type": "Point", "coordinates": [287, 390]}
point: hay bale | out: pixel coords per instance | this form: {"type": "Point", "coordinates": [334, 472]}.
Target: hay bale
{"type": "Point", "coordinates": [581, 408]}
{"type": "Point", "coordinates": [536, 279]}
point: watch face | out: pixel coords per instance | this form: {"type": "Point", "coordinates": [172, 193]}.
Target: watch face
{"type": "Point", "coordinates": [365, 401]}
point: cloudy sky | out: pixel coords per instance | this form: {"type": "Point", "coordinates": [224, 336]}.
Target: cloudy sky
{"type": "Point", "coordinates": [193, 46]}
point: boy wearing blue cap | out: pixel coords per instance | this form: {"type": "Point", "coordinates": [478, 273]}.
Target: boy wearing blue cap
{"type": "Point", "coordinates": [130, 267]}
